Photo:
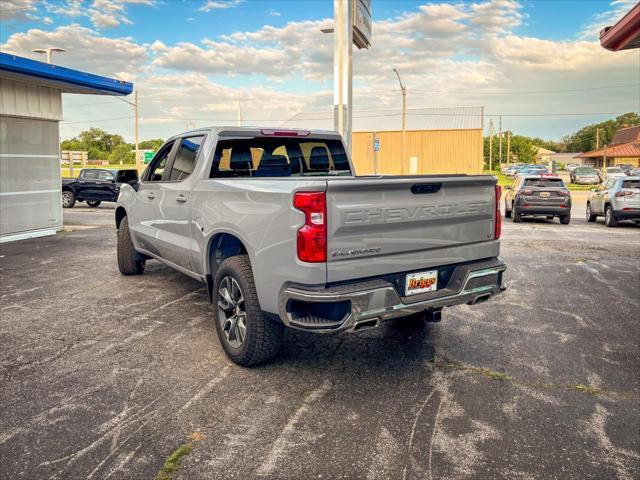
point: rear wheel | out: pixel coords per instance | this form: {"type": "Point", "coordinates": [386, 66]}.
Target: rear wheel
{"type": "Point", "coordinates": [565, 219]}
{"type": "Point", "coordinates": [609, 220]}
{"type": "Point", "coordinates": [517, 218]}
{"type": "Point", "coordinates": [68, 199]}
{"type": "Point", "coordinates": [129, 261]}
{"type": "Point", "coordinates": [591, 217]}
{"type": "Point", "coordinates": [507, 212]}
{"type": "Point", "coordinates": [93, 203]}
{"type": "Point", "coordinates": [247, 336]}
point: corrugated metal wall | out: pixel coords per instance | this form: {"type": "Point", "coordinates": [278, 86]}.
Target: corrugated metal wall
{"type": "Point", "coordinates": [20, 99]}
{"type": "Point", "coordinates": [434, 151]}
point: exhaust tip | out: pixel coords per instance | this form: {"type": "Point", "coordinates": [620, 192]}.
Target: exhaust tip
{"type": "Point", "coordinates": [366, 324]}
{"type": "Point", "coordinates": [480, 299]}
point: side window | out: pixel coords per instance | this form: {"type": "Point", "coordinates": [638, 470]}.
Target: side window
{"type": "Point", "coordinates": [156, 169]}
{"type": "Point", "coordinates": [90, 174]}
{"type": "Point", "coordinates": [105, 175]}
{"type": "Point", "coordinates": [185, 160]}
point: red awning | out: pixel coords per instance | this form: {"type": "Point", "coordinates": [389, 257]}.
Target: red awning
{"type": "Point", "coordinates": [625, 34]}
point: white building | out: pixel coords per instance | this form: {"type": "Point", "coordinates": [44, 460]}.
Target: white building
{"type": "Point", "coordinates": [30, 112]}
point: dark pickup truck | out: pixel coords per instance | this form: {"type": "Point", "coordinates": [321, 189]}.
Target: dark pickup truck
{"type": "Point", "coordinates": [93, 185]}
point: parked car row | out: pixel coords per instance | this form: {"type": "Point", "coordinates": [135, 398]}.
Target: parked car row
{"type": "Point", "coordinates": [616, 199]}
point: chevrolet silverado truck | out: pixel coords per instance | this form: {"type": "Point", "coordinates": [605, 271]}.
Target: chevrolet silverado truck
{"type": "Point", "coordinates": [93, 185]}
{"type": "Point", "coordinates": [283, 234]}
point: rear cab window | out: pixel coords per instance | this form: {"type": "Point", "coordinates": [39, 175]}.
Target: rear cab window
{"type": "Point", "coordinates": [279, 157]}
{"type": "Point", "coordinates": [543, 182]}
{"type": "Point", "coordinates": [631, 184]}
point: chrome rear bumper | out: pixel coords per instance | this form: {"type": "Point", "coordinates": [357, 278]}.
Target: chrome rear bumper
{"type": "Point", "coordinates": [368, 303]}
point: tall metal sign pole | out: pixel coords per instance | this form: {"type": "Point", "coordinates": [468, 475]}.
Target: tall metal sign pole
{"type": "Point", "coordinates": [352, 24]}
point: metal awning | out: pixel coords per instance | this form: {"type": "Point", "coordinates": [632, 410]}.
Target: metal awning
{"type": "Point", "coordinates": [625, 34]}
{"type": "Point", "coordinates": [64, 79]}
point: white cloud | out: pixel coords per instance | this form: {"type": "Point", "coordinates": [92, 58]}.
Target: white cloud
{"type": "Point", "coordinates": [85, 49]}
{"type": "Point", "coordinates": [448, 54]}
{"type": "Point", "coordinates": [219, 5]}
{"type": "Point", "coordinates": [17, 9]}
{"type": "Point", "coordinates": [101, 13]}
{"type": "Point", "coordinates": [274, 13]}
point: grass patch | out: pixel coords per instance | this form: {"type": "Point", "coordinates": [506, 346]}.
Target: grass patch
{"type": "Point", "coordinates": [172, 463]}
{"type": "Point", "coordinates": [587, 390]}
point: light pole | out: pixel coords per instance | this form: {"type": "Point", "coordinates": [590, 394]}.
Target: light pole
{"type": "Point", "coordinates": [48, 51]}
{"type": "Point", "coordinates": [403, 89]}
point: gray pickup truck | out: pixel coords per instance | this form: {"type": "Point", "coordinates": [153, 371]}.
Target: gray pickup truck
{"type": "Point", "coordinates": [283, 234]}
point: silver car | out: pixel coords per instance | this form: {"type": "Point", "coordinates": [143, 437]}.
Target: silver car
{"type": "Point", "coordinates": [617, 198]}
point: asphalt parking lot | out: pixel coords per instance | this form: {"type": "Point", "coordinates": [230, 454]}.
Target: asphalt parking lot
{"type": "Point", "coordinates": [104, 376]}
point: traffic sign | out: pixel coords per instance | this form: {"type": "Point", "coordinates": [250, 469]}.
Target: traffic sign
{"type": "Point", "coordinates": [148, 156]}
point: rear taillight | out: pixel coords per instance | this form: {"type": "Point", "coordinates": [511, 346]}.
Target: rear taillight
{"type": "Point", "coordinates": [312, 236]}
{"type": "Point", "coordinates": [563, 193]}
{"type": "Point", "coordinates": [624, 194]}
{"type": "Point", "coordinates": [497, 230]}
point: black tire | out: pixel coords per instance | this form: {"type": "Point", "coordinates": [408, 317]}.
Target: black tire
{"type": "Point", "coordinates": [94, 203]}
{"type": "Point", "coordinates": [609, 219]}
{"type": "Point", "coordinates": [591, 217]}
{"type": "Point", "coordinates": [517, 218]}
{"type": "Point", "coordinates": [549, 217]}
{"type": "Point", "coordinates": [262, 335]}
{"type": "Point", "coordinates": [565, 219]}
{"type": "Point", "coordinates": [129, 261]}
{"type": "Point", "coordinates": [507, 213]}
{"type": "Point", "coordinates": [68, 199]}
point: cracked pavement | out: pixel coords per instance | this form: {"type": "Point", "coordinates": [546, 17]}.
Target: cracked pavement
{"type": "Point", "coordinates": [104, 376]}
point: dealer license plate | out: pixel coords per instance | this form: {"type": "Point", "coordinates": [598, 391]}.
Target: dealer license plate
{"type": "Point", "coordinates": [421, 282]}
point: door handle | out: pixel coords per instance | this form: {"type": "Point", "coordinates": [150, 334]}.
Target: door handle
{"type": "Point", "coordinates": [181, 198]}
{"type": "Point", "coordinates": [151, 195]}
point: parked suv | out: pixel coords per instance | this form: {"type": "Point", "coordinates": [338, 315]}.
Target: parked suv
{"type": "Point", "coordinates": [283, 234]}
{"type": "Point", "coordinates": [584, 176]}
{"type": "Point", "coordinates": [538, 195]}
{"type": "Point", "coordinates": [617, 198]}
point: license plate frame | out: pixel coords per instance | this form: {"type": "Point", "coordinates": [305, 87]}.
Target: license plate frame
{"type": "Point", "coordinates": [420, 282]}
{"type": "Point", "coordinates": [545, 194]}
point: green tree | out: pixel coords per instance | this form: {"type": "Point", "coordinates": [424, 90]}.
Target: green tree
{"type": "Point", "coordinates": [585, 139]}
{"type": "Point", "coordinates": [122, 153]}
{"type": "Point", "coordinates": [151, 144]}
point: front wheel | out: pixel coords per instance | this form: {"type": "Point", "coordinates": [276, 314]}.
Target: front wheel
{"type": "Point", "coordinates": [591, 217]}
{"type": "Point", "coordinates": [129, 261]}
{"type": "Point", "coordinates": [247, 336]}
{"type": "Point", "coordinates": [68, 199]}
{"type": "Point", "coordinates": [609, 220]}
{"type": "Point", "coordinates": [93, 203]}
{"type": "Point", "coordinates": [565, 219]}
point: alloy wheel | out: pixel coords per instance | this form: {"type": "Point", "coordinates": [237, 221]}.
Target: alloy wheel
{"type": "Point", "coordinates": [231, 312]}
{"type": "Point", "coordinates": [66, 199]}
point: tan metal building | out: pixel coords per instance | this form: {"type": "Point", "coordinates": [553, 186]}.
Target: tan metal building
{"type": "Point", "coordinates": [437, 140]}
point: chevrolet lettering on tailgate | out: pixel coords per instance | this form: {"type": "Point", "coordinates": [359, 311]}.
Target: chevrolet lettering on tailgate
{"type": "Point", "coordinates": [399, 214]}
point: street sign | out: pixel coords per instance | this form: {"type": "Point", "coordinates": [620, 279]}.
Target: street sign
{"type": "Point", "coordinates": [148, 156]}
{"type": "Point", "coordinates": [362, 23]}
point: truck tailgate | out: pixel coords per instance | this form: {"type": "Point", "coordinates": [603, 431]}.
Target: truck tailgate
{"type": "Point", "coordinates": [396, 224]}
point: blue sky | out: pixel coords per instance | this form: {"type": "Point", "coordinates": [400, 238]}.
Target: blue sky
{"type": "Point", "coordinates": [192, 60]}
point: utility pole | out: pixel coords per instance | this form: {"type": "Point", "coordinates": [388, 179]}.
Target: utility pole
{"type": "Point", "coordinates": [597, 138]}
{"type": "Point", "coordinates": [508, 147]}
{"type": "Point", "coordinates": [500, 140]}
{"type": "Point", "coordinates": [403, 89]}
{"type": "Point", "coordinates": [490, 145]}
{"type": "Point", "coordinates": [139, 161]}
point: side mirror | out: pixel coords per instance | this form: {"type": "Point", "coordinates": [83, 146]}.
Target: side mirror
{"type": "Point", "coordinates": [127, 176]}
